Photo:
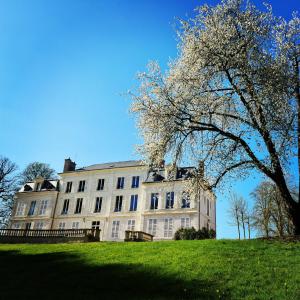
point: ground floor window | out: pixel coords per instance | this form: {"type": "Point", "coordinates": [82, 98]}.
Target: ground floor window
{"type": "Point", "coordinates": [131, 225]}
{"type": "Point", "coordinates": [16, 226]}
{"type": "Point", "coordinates": [96, 225]}
{"type": "Point", "coordinates": [185, 222]}
{"type": "Point", "coordinates": [39, 225]}
{"type": "Point", "coordinates": [168, 227]}
{"type": "Point", "coordinates": [75, 225]}
{"type": "Point", "coordinates": [115, 229]}
{"type": "Point", "coordinates": [152, 226]}
{"type": "Point", "coordinates": [62, 225]}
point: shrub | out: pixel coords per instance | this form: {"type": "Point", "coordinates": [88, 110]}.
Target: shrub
{"type": "Point", "coordinates": [193, 234]}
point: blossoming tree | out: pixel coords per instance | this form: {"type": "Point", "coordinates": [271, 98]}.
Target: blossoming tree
{"type": "Point", "coordinates": [231, 98]}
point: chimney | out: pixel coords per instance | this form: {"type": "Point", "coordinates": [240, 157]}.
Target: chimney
{"type": "Point", "coordinates": [201, 168]}
{"type": "Point", "coordinates": [69, 165]}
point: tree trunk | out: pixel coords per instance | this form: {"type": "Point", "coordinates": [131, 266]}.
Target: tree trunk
{"type": "Point", "coordinates": [243, 222]}
{"type": "Point", "coordinates": [238, 223]}
{"type": "Point", "coordinates": [293, 207]}
{"type": "Point", "coordinates": [248, 228]}
{"type": "Point", "coordinates": [294, 214]}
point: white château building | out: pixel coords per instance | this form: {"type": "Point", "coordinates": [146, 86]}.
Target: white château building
{"type": "Point", "coordinates": [114, 197]}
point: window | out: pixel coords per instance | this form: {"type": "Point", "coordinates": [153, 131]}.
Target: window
{"type": "Point", "coordinates": [152, 226]}
{"type": "Point", "coordinates": [185, 223]}
{"type": "Point", "coordinates": [78, 206]}
{"type": "Point", "coordinates": [38, 186]}
{"type": "Point", "coordinates": [98, 205]}
{"type": "Point", "coordinates": [43, 207]}
{"type": "Point", "coordinates": [131, 225]}
{"type": "Point", "coordinates": [27, 226]}
{"type": "Point", "coordinates": [69, 187]}
{"type": "Point", "coordinates": [168, 228]}
{"type": "Point", "coordinates": [16, 226]}
{"type": "Point", "coordinates": [207, 209]}
{"type": "Point", "coordinates": [169, 200]}
{"type": "Point", "coordinates": [62, 225]}
{"type": "Point", "coordinates": [20, 209]}
{"type": "Point", "coordinates": [154, 201]}
{"type": "Point", "coordinates": [185, 201]}
{"type": "Point", "coordinates": [32, 207]}
{"type": "Point", "coordinates": [75, 225]}
{"type": "Point", "coordinates": [65, 207]}
{"type": "Point", "coordinates": [39, 225]}
{"type": "Point", "coordinates": [115, 229]}
{"type": "Point", "coordinates": [100, 185]}
{"type": "Point", "coordinates": [120, 183]}
{"type": "Point", "coordinates": [81, 186]}
{"type": "Point", "coordinates": [133, 202]}
{"type": "Point", "coordinates": [135, 181]}
{"type": "Point", "coordinates": [118, 205]}
{"type": "Point", "coordinates": [96, 225]}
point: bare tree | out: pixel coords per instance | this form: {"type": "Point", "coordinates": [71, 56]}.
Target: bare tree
{"type": "Point", "coordinates": [8, 187]}
{"type": "Point", "coordinates": [263, 206]}
{"type": "Point", "coordinates": [270, 210]}
{"type": "Point", "coordinates": [235, 212]}
{"type": "Point", "coordinates": [230, 99]}
{"type": "Point", "coordinates": [35, 170]}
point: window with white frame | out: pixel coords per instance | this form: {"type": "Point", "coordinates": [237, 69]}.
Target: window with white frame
{"type": "Point", "coordinates": [133, 202]}
{"type": "Point", "coordinates": [185, 222]}
{"type": "Point", "coordinates": [131, 225]}
{"type": "Point", "coordinates": [135, 181]}
{"type": "Point", "coordinates": [62, 225]}
{"type": "Point", "coordinates": [95, 224]}
{"type": "Point", "coordinates": [154, 201]}
{"type": "Point", "coordinates": [39, 225]}
{"type": "Point", "coordinates": [152, 226]}
{"type": "Point", "coordinates": [65, 207]}
{"type": "Point", "coordinates": [43, 207]}
{"type": "Point", "coordinates": [118, 204]}
{"type": "Point", "coordinates": [120, 182]}
{"type": "Point", "coordinates": [16, 226]}
{"type": "Point", "coordinates": [98, 205]}
{"type": "Point", "coordinates": [185, 200]}
{"type": "Point", "coordinates": [168, 227]}
{"type": "Point", "coordinates": [115, 229]}
{"type": "Point", "coordinates": [100, 185]}
{"type": "Point", "coordinates": [169, 200]}
{"type": "Point", "coordinates": [32, 208]}
{"type": "Point", "coordinates": [20, 209]}
{"type": "Point", "coordinates": [78, 206]}
{"type": "Point", "coordinates": [69, 187]}
{"type": "Point", "coordinates": [75, 225]}
{"type": "Point", "coordinates": [81, 186]}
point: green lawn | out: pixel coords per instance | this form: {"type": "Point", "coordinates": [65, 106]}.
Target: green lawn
{"type": "Point", "coordinates": [210, 269]}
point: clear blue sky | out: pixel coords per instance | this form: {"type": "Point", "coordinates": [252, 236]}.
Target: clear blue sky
{"type": "Point", "coordinates": [64, 66]}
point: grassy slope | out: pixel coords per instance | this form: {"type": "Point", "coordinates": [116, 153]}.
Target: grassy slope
{"type": "Point", "coordinates": [160, 270]}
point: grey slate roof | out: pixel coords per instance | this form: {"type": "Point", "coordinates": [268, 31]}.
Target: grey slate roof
{"type": "Point", "coordinates": [112, 165]}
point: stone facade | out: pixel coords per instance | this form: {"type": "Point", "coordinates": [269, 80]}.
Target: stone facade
{"type": "Point", "coordinates": [114, 197]}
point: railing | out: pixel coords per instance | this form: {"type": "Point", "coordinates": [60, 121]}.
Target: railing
{"type": "Point", "coordinates": [138, 236]}
{"type": "Point", "coordinates": [52, 235]}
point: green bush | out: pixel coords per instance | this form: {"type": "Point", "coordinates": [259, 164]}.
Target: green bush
{"type": "Point", "coordinates": [193, 234]}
